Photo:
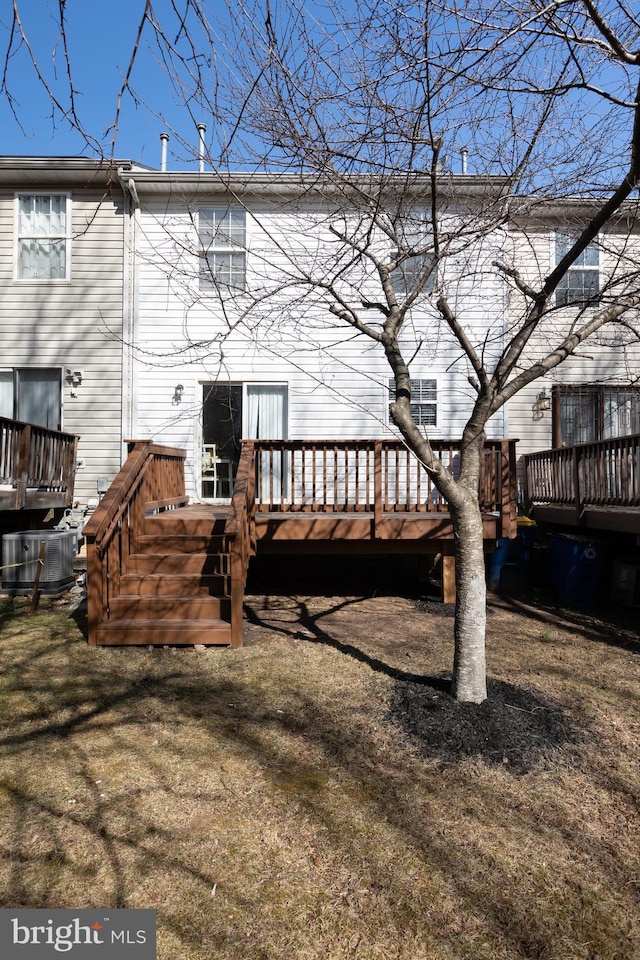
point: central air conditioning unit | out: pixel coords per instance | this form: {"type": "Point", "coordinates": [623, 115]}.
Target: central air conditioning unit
{"type": "Point", "coordinates": [20, 552]}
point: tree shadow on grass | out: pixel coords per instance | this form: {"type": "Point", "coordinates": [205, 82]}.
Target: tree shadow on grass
{"type": "Point", "coordinates": [612, 625]}
{"type": "Point", "coordinates": [165, 754]}
{"type": "Point", "coordinates": [312, 632]}
{"type": "Point", "coordinates": [515, 728]}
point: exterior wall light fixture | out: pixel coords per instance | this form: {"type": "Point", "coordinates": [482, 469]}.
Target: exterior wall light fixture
{"type": "Point", "coordinates": [543, 401]}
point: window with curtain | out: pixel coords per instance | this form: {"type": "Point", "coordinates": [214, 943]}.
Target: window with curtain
{"type": "Point", "coordinates": [581, 283]}
{"type": "Point", "coordinates": [589, 412]}
{"type": "Point", "coordinates": [32, 395]}
{"type": "Point", "coordinates": [43, 237]}
{"type": "Point", "coordinates": [266, 412]}
{"type": "Point", "coordinates": [222, 242]}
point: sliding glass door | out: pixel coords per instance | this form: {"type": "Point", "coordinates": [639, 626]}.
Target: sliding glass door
{"type": "Point", "coordinates": [231, 412]}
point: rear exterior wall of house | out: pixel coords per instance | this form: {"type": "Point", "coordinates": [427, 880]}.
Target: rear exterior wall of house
{"type": "Point", "coordinates": [61, 316]}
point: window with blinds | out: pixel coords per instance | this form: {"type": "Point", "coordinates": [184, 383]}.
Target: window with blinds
{"type": "Point", "coordinates": [424, 401]}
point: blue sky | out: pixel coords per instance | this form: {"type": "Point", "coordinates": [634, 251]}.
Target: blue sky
{"type": "Point", "coordinates": [101, 37]}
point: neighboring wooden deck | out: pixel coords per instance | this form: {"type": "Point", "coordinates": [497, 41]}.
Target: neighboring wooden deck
{"type": "Point", "coordinates": [595, 486]}
{"type": "Point", "coordinates": [162, 571]}
{"type": "Point", "coordinates": [37, 466]}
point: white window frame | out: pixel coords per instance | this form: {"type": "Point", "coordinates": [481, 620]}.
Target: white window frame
{"type": "Point", "coordinates": [66, 236]}
{"type": "Point", "coordinates": [223, 244]}
{"type": "Point", "coordinates": [418, 384]}
{"type": "Point", "coordinates": [580, 267]}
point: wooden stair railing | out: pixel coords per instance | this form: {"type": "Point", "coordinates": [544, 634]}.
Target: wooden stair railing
{"type": "Point", "coordinates": [240, 533]}
{"type": "Point", "coordinates": [151, 474]}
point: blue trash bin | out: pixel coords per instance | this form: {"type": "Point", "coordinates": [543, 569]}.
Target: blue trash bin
{"type": "Point", "coordinates": [509, 566]}
{"type": "Point", "coordinates": [576, 570]}
{"type": "Point", "coordinates": [497, 560]}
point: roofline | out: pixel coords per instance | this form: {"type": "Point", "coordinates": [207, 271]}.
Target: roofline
{"type": "Point", "coordinates": [191, 184]}
{"type": "Point", "coordinates": [20, 171]}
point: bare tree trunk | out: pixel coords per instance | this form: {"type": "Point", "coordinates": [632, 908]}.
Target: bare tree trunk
{"type": "Point", "coordinates": [469, 668]}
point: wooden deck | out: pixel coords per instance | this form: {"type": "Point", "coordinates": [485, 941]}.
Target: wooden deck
{"type": "Point", "coordinates": [37, 466]}
{"type": "Point", "coordinates": [161, 571]}
{"type": "Point", "coordinates": [595, 486]}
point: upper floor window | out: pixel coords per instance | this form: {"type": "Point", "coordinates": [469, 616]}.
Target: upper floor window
{"type": "Point", "coordinates": [223, 254]}
{"type": "Point", "coordinates": [42, 231]}
{"type": "Point", "coordinates": [581, 282]}
{"type": "Point", "coordinates": [424, 401]}
{"type": "Point", "coordinates": [414, 255]}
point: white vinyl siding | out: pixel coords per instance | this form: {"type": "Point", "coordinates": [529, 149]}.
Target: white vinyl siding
{"type": "Point", "coordinates": [337, 382]}
{"type": "Point", "coordinates": [43, 244]}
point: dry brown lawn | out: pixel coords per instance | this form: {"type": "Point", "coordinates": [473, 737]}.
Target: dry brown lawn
{"type": "Point", "coordinates": [310, 796]}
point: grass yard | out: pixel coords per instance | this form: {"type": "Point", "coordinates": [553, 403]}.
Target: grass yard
{"type": "Point", "coordinates": [309, 796]}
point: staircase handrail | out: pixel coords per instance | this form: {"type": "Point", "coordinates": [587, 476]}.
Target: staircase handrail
{"type": "Point", "coordinates": [243, 499]}
{"type": "Point", "coordinates": [115, 502]}
{"type": "Point", "coordinates": [240, 531]}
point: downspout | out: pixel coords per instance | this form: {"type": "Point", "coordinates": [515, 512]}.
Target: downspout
{"type": "Point", "coordinates": [130, 309]}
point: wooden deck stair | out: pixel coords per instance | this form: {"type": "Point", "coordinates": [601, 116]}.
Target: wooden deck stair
{"type": "Point", "coordinates": [176, 590]}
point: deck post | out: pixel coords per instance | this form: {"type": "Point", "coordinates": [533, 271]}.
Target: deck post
{"type": "Point", "coordinates": [448, 574]}
{"type": "Point", "coordinates": [377, 487]}
{"type": "Point", "coordinates": [576, 481]}
{"type": "Point", "coordinates": [69, 470]}
{"type": "Point", "coordinates": [238, 567]}
{"type": "Point", "coordinates": [509, 489]}
{"type": "Point", "coordinates": [95, 593]}
{"type": "Point", "coordinates": [24, 450]}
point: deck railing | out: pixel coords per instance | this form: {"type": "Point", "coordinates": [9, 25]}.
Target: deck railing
{"type": "Point", "coordinates": [371, 475]}
{"type": "Point", "coordinates": [601, 474]}
{"type": "Point", "coordinates": [37, 466]}
{"type": "Point", "coordinates": [152, 478]}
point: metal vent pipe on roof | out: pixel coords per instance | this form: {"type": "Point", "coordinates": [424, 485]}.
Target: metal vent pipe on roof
{"type": "Point", "coordinates": [464, 154]}
{"type": "Point", "coordinates": [164, 140]}
{"type": "Point", "coordinates": [201, 128]}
